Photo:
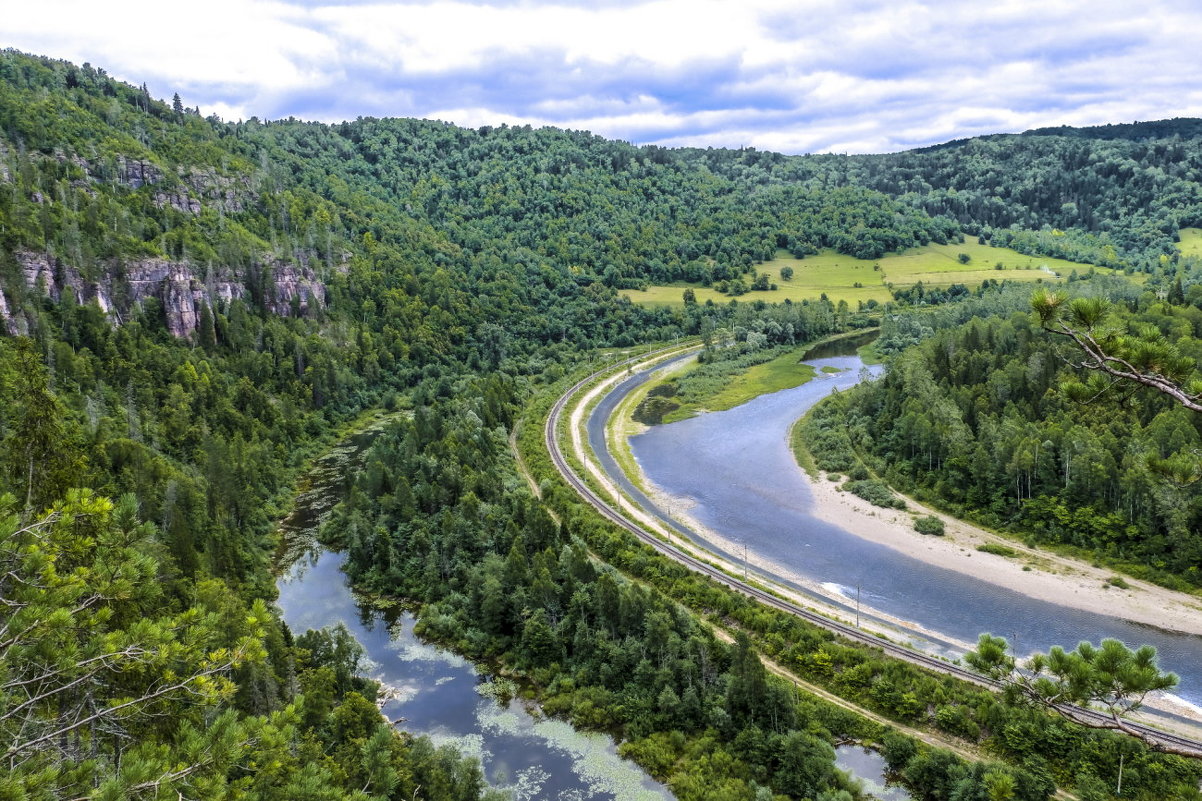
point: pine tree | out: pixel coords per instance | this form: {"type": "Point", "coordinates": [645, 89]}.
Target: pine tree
{"type": "Point", "coordinates": [40, 458]}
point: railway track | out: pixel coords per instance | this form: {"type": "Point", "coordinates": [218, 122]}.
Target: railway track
{"type": "Point", "coordinates": [1154, 737]}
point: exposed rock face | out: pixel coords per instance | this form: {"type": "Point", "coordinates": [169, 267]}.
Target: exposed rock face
{"type": "Point", "coordinates": [206, 188]}
{"type": "Point", "coordinates": [195, 188]}
{"type": "Point", "coordinates": [182, 288]}
{"type": "Point", "coordinates": [12, 322]}
{"type": "Point", "coordinates": [296, 284]}
{"type": "Point", "coordinates": [5, 317]}
{"type": "Point", "coordinates": [136, 173]}
{"type": "Point", "coordinates": [179, 200]}
{"type": "Point", "coordinates": [46, 274]}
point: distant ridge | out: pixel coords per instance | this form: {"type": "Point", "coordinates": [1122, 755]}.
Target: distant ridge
{"type": "Point", "coordinates": [1184, 127]}
{"type": "Point", "coordinates": [1181, 127]}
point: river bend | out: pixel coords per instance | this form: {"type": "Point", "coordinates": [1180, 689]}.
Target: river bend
{"type": "Point", "coordinates": [737, 476]}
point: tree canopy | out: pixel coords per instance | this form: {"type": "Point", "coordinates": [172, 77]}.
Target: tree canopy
{"type": "Point", "coordinates": [1111, 677]}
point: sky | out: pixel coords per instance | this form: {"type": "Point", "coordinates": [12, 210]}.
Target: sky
{"type": "Point", "coordinates": [794, 76]}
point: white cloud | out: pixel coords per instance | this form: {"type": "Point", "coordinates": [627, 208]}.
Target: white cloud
{"type": "Point", "coordinates": [792, 75]}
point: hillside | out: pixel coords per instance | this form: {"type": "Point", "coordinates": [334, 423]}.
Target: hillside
{"type": "Point", "coordinates": [121, 197]}
{"type": "Point", "coordinates": [194, 308]}
{"type": "Point", "coordinates": [191, 309]}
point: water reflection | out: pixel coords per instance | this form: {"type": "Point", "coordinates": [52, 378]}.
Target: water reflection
{"type": "Point", "coordinates": [436, 693]}
{"type": "Point", "coordinates": [868, 766]}
{"type": "Point", "coordinates": [432, 691]}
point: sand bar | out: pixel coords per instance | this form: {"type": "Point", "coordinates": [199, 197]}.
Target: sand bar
{"type": "Point", "coordinates": [1035, 573]}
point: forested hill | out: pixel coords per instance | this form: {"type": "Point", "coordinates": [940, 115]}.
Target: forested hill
{"type": "Point", "coordinates": [983, 418]}
{"type": "Point", "coordinates": [193, 308]}
{"type": "Point", "coordinates": [1111, 197]}
{"type": "Point", "coordinates": [100, 175]}
{"type": "Point", "coordinates": [117, 195]}
{"type": "Point", "coordinates": [190, 309]}
{"type": "Point", "coordinates": [1112, 201]}
{"type": "Point", "coordinates": [1178, 127]}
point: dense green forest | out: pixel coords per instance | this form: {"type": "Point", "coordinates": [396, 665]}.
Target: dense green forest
{"type": "Point", "coordinates": [191, 309]}
{"type": "Point", "coordinates": [988, 418]}
{"type": "Point", "coordinates": [1114, 196]}
{"type": "Point", "coordinates": [1045, 749]}
{"type": "Point", "coordinates": [437, 515]}
{"type": "Point", "coordinates": [193, 402]}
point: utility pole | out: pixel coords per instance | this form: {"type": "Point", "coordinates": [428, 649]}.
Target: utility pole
{"type": "Point", "coordinates": [1119, 791]}
{"type": "Point", "coordinates": [744, 561]}
{"type": "Point", "coordinates": [857, 605]}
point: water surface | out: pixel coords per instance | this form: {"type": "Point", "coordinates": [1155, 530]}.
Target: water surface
{"type": "Point", "coordinates": [430, 690]}
{"type": "Point", "coordinates": [736, 470]}
{"type": "Point", "coordinates": [869, 767]}
{"type": "Point", "coordinates": [434, 692]}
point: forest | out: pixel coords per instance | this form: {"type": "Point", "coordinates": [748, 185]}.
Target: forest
{"type": "Point", "coordinates": [987, 418]}
{"type": "Point", "coordinates": [191, 309]}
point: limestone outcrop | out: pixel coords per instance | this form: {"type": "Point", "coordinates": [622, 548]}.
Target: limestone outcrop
{"type": "Point", "coordinates": [182, 288]}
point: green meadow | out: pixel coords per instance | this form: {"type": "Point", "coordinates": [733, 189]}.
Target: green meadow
{"type": "Point", "coordinates": [784, 372]}
{"type": "Point", "coordinates": [837, 275]}
{"type": "Point", "coordinates": [1191, 242]}
{"type": "Point", "coordinates": [726, 383]}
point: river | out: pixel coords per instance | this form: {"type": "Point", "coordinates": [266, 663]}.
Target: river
{"type": "Point", "coordinates": [737, 476]}
{"type": "Point", "coordinates": [433, 691]}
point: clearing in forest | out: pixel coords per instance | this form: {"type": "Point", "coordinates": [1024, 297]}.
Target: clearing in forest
{"type": "Point", "coordinates": [837, 276]}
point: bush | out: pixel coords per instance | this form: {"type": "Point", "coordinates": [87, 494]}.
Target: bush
{"type": "Point", "coordinates": [653, 408]}
{"type": "Point", "coordinates": [931, 526]}
{"type": "Point", "coordinates": [875, 492]}
{"type": "Point", "coordinates": [997, 550]}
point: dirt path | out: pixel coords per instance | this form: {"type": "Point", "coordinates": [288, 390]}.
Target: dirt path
{"type": "Point", "coordinates": [961, 748]}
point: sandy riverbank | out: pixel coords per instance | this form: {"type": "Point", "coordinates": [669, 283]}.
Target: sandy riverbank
{"type": "Point", "coordinates": [1048, 577]}
{"type": "Point", "coordinates": [1034, 573]}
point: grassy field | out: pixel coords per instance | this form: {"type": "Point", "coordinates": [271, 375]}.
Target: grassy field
{"type": "Point", "coordinates": [784, 372]}
{"type": "Point", "coordinates": [724, 384]}
{"type": "Point", "coordinates": [836, 275]}
{"type": "Point", "coordinates": [1191, 242]}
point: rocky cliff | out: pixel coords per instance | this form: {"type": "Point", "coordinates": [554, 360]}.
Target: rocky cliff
{"type": "Point", "coordinates": [181, 287]}
{"type": "Point", "coordinates": [120, 286]}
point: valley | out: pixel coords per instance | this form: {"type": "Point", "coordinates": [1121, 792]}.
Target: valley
{"type": "Point", "coordinates": [210, 325]}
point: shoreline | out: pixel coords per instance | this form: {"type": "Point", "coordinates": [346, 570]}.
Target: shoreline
{"type": "Point", "coordinates": [814, 595]}
{"type": "Point", "coordinates": [1038, 574]}
{"type": "Point", "coordinates": [1057, 579]}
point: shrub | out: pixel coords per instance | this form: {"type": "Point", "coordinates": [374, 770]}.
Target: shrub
{"type": "Point", "coordinates": [931, 526]}
{"type": "Point", "coordinates": [653, 408]}
{"type": "Point", "coordinates": [875, 492]}
{"type": "Point", "coordinates": [997, 550]}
